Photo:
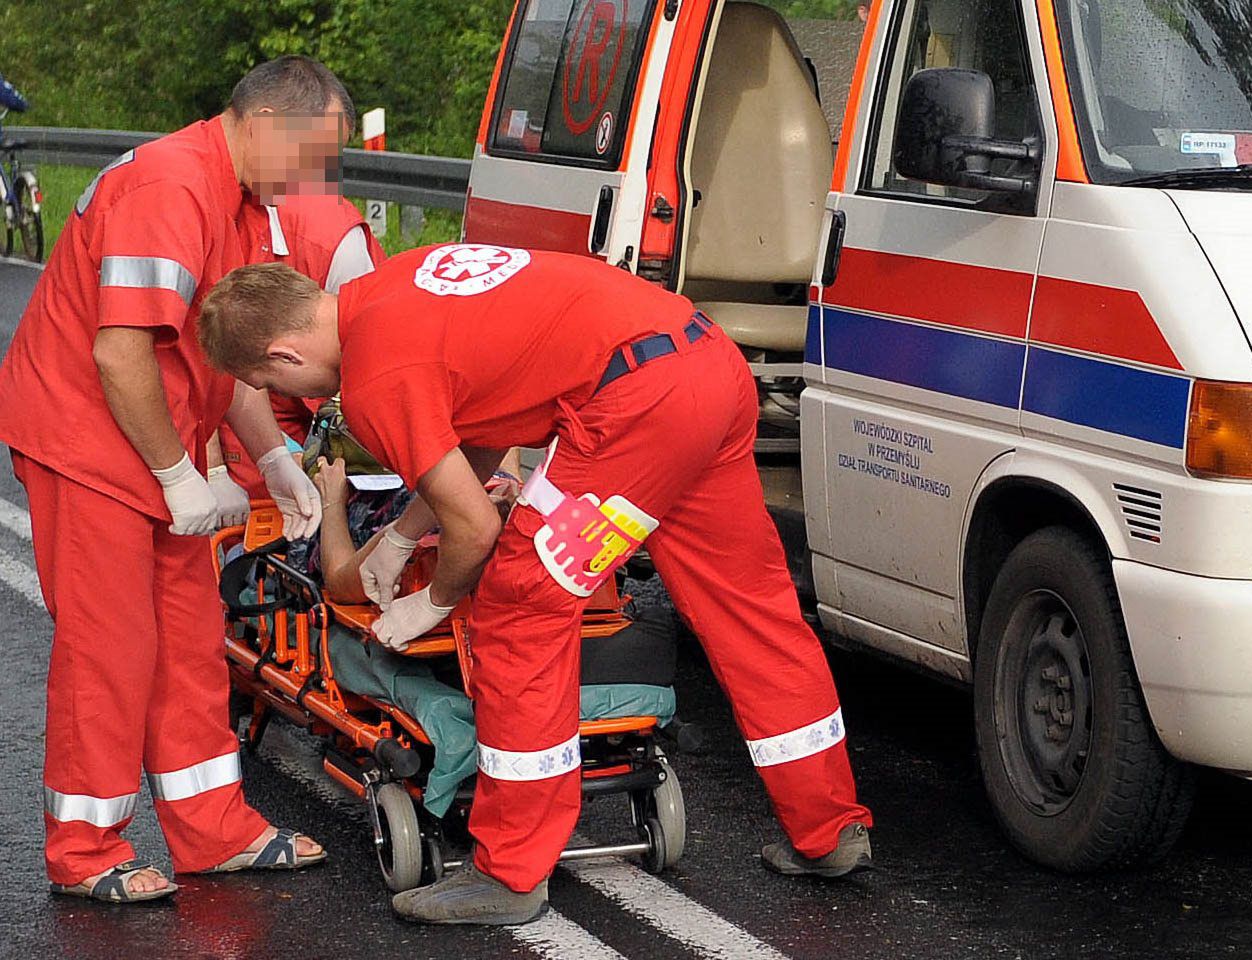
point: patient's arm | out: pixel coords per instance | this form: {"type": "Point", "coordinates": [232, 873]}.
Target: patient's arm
{"type": "Point", "coordinates": [340, 560]}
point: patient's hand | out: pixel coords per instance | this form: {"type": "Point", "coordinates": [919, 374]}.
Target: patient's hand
{"type": "Point", "coordinates": [332, 481]}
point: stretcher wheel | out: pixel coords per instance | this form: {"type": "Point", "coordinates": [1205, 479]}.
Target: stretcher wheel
{"type": "Point", "coordinates": [657, 857]}
{"type": "Point", "coordinates": [432, 866]}
{"type": "Point", "coordinates": [665, 827]}
{"type": "Point", "coordinates": [400, 854]}
{"type": "Point", "coordinates": [240, 706]}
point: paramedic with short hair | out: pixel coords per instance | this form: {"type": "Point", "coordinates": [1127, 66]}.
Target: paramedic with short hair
{"type": "Point", "coordinates": [652, 412]}
{"type": "Point", "coordinates": [106, 403]}
{"type": "Point", "coordinates": [324, 237]}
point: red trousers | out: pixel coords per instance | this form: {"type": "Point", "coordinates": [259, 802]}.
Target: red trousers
{"type": "Point", "coordinates": [675, 437]}
{"type": "Point", "coordinates": [137, 680]}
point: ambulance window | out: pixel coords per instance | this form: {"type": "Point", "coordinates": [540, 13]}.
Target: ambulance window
{"type": "Point", "coordinates": [985, 35]}
{"type": "Point", "coordinates": [569, 79]}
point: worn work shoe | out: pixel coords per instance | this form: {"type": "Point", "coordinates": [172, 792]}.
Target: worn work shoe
{"type": "Point", "coordinates": [852, 853]}
{"type": "Point", "coordinates": [470, 896]}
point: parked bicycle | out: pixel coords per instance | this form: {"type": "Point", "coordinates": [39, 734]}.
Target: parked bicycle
{"type": "Point", "coordinates": [19, 189]}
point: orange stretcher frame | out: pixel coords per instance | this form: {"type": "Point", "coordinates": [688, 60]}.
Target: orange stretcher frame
{"type": "Point", "coordinates": [282, 665]}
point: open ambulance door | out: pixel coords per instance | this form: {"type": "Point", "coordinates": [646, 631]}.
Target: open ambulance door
{"type": "Point", "coordinates": [562, 151]}
{"type": "Point", "coordinates": [751, 167]}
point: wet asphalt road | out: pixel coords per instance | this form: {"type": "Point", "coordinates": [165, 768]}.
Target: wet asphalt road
{"type": "Point", "coordinates": [947, 886]}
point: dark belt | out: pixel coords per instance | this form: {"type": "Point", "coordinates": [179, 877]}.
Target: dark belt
{"type": "Point", "coordinates": [650, 348]}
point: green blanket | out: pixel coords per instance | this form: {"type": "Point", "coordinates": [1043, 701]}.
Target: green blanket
{"type": "Point", "coordinates": [447, 715]}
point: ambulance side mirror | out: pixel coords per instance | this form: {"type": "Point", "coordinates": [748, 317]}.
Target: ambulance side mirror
{"type": "Point", "coordinates": [945, 134]}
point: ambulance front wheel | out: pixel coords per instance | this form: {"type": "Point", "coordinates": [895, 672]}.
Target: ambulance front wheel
{"type": "Point", "coordinates": [665, 828]}
{"type": "Point", "coordinates": [1075, 772]}
{"type": "Point", "coordinates": [400, 854]}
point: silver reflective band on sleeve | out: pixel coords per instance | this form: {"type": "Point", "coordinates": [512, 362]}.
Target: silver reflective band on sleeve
{"type": "Point", "coordinates": [798, 744]}
{"type": "Point", "coordinates": [196, 779]}
{"type": "Point", "coordinates": [529, 765]}
{"type": "Point", "coordinates": [102, 812]}
{"type": "Point", "coordinates": [148, 273]}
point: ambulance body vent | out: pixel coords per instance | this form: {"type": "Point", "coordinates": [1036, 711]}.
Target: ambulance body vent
{"type": "Point", "coordinates": [1142, 511]}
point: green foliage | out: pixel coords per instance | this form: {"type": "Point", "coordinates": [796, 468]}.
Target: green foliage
{"type": "Point", "coordinates": [816, 9]}
{"type": "Point", "coordinates": [158, 64]}
{"type": "Point", "coordinates": [61, 186]}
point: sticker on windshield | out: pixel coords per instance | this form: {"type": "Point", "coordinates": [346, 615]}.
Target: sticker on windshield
{"type": "Point", "coordinates": [604, 134]}
{"type": "Point", "coordinates": [1220, 145]}
{"type": "Point", "coordinates": [517, 124]}
{"type": "Point", "coordinates": [466, 269]}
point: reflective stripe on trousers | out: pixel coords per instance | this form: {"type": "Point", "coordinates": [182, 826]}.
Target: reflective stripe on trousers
{"type": "Point", "coordinates": [530, 764]}
{"type": "Point", "coordinates": [196, 779]}
{"type": "Point", "coordinates": [102, 812]}
{"type": "Point", "coordinates": [148, 273]}
{"type": "Point", "coordinates": [799, 743]}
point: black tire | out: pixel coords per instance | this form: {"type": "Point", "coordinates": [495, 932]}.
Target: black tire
{"type": "Point", "coordinates": [30, 231]}
{"type": "Point", "coordinates": [241, 705]}
{"type": "Point", "coordinates": [657, 857]}
{"type": "Point", "coordinates": [1075, 772]}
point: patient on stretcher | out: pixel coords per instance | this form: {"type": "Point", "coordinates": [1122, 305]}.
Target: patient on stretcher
{"type": "Point", "coordinates": [353, 521]}
{"type": "Point", "coordinates": [625, 671]}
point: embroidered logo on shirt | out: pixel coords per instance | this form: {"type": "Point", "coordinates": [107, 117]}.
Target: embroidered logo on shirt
{"type": "Point", "coordinates": [466, 269]}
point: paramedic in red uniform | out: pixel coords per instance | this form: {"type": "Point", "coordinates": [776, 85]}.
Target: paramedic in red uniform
{"type": "Point", "coordinates": [106, 403]}
{"type": "Point", "coordinates": [653, 411]}
{"type": "Point", "coordinates": [325, 238]}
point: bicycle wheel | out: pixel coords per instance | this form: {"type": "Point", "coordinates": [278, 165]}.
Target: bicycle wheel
{"type": "Point", "coordinates": [29, 229]}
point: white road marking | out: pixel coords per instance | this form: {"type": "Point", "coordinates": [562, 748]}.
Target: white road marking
{"type": "Point", "coordinates": [14, 518]}
{"type": "Point", "coordinates": [21, 578]}
{"type": "Point", "coordinates": [14, 571]}
{"type": "Point", "coordinates": [559, 938]}
{"type": "Point", "coordinates": [696, 927]}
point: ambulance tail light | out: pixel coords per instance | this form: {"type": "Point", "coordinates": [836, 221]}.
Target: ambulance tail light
{"type": "Point", "coordinates": [1219, 433]}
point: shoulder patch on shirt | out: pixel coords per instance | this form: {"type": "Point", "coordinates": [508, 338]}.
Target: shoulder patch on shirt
{"type": "Point", "coordinates": [466, 269]}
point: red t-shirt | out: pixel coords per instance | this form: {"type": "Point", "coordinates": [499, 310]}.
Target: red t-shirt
{"type": "Point", "coordinates": [483, 345]}
{"type": "Point", "coordinates": [146, 242]}
{"type": "Point", "coordinates": [305, 233]}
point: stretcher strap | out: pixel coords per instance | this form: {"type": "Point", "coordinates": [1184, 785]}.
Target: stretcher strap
{"type": "Point", "coordinates": [237, 576]}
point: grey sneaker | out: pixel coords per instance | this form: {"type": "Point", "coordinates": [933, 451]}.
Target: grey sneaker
{"type": "Point", "coordinates": [470, 896]}
{"type": "Point", "coordinates": [851, 853]}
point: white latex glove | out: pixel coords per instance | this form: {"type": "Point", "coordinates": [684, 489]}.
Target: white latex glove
{"type": "Point", "coordinates": [293, 493]}
{"type": "Point", "coordinates": [407, 619]}
{"type": "Point", "coordinates": [232, 500]}
{"type": "Point", "coordinates": [380, 572]}
{"type": "Point", "coordinates": [191, 501]}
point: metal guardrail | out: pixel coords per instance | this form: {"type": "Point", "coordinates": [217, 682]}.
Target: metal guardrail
{"type": "Point", "coordinates": [408, 178]}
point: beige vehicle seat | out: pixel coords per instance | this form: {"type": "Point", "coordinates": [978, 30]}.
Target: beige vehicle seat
{"type": "Point", "coordinates": [761, 162]}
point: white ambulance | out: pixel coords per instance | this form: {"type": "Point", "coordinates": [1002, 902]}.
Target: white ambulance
{"type": "Point", "coordinates": [1002, 329]}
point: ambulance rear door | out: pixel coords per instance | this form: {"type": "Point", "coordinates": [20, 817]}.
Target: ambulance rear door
{"type": "Point", "coordinates": [562, 152]}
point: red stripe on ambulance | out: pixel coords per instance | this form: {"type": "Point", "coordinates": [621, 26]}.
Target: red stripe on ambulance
{"type": "Point", "coordinates": [1101, 320]}
{"type": "Point", "coordinates": [953, 294]}
{"type": "Point", "coordinates": [522, 225]}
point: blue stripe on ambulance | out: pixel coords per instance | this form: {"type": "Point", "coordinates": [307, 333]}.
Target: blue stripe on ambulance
{"type": "Point", "coordinates": [932, 358]}
{"type": "Point", "coordinates": [1113, 397]}
{"type": "Point", "coordinates": [1128, 401]}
